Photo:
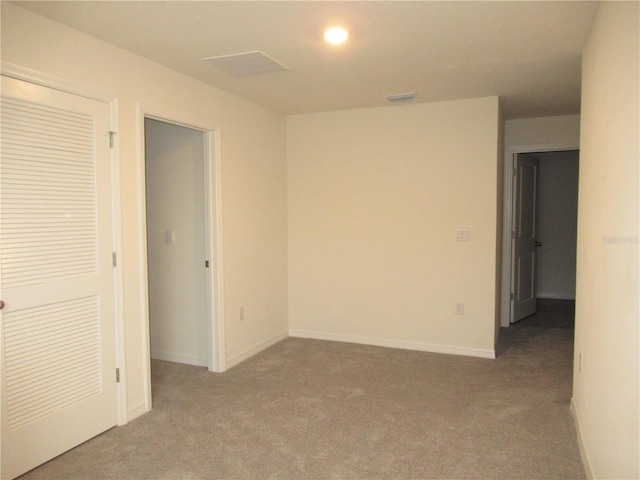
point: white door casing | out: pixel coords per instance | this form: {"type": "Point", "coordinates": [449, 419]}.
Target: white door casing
{"type": "Point", "coordinates": [213, 214]}
{"type": "Point", "coordinates": [57, 341]}
{"type": "Point", "coordinates": [524, 237]}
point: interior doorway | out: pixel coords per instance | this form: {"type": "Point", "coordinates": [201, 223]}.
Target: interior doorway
{"type": "Point", "coordinates": [177, 243]}
{"type": "Point", "coordinates": [555, 225]}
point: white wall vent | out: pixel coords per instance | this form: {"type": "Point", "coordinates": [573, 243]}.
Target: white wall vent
{"type": "Point", "coordinates": [248, 63]}
{"type": "Point", "coordinates": [401, 97]}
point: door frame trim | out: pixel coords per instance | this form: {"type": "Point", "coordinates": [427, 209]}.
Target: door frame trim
{"type": "Point", "coordinates": [506, 304]}
{"type": "Point", "coordinates": [39, 78]}
{"type": "Point", "coordinates": [213, 213]}
{"type": "Point", "coordinates": [32, 76]}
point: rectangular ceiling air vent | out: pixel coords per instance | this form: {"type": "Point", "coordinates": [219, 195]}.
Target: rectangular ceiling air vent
{"type": "Point", "coordinates": [401, 97]}
{"type": "Point", "coordinates": [248, 63]}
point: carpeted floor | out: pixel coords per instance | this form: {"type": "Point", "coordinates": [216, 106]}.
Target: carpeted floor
{"type": "Point", "coordinates": [308, 409]}
{"type": "Point", "coordinates": [552, 313]}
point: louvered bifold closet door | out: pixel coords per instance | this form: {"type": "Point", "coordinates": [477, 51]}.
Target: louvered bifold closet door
{"type": "Point", "coordinates": [56, 278]}
{"type": "Point", "coordinates": [49, 221]}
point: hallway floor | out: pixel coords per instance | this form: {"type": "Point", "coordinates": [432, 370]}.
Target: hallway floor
{"type": "Point", "coordinates": [551, 313]}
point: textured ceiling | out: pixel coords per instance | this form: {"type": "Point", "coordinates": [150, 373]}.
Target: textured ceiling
{"type": "Point", "coordinates": [528, 53]}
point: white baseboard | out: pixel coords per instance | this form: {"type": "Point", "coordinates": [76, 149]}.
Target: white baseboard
{"type": "Point", "coordinates": [555, 296]}
{"type": "Point", "coordinates": [583, 452]}
{"type": "Point", "coordinates": [137, 411]}
{"type": "Point", "coordinates": [402, 344]}
{"type": "Point", "coordinates": [179, 358]}
{"type": "Point", "coordinates": [250, 352]}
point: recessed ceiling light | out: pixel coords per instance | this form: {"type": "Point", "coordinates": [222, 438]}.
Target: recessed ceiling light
{"type": "Point", "coordinates": [336, 35]}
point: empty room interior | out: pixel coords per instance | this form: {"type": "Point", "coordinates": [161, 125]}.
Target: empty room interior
{"type": "Point", "coordinates": [233, 247]}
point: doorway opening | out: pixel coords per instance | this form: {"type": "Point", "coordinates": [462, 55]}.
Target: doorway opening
{"type": "Point", "coordinates": [551, 272]}
{"type": "Point", "coordinates": [176, 243]}
{"type": "Point", "coordinates": [182, 246]}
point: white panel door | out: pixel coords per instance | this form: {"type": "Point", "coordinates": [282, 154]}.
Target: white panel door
{"type": "Point", "coordinates": [524, 242]}
{"type": "Point", "coordinates": [56, 276]}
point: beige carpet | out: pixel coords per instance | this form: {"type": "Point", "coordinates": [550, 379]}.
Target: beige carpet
{"type": "Point", "coordinates": [307, 409]}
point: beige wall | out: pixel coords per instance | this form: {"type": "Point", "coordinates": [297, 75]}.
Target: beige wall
{"type": "Point", "coordinates": [561, 130]}
{"type": "Point", "coordinates": [606, 390]}
{"type": "Point", "coordinates": [253, 176]}
{"type": "Point", "coordinates": [376, 197]}
{"type": "Point", "coordinates": [500, 199]}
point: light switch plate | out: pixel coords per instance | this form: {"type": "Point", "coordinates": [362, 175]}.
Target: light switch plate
{"type": "Point", "coordinates": [463, 235]}
{"type": "Point", "coordinates": [169, 237]}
